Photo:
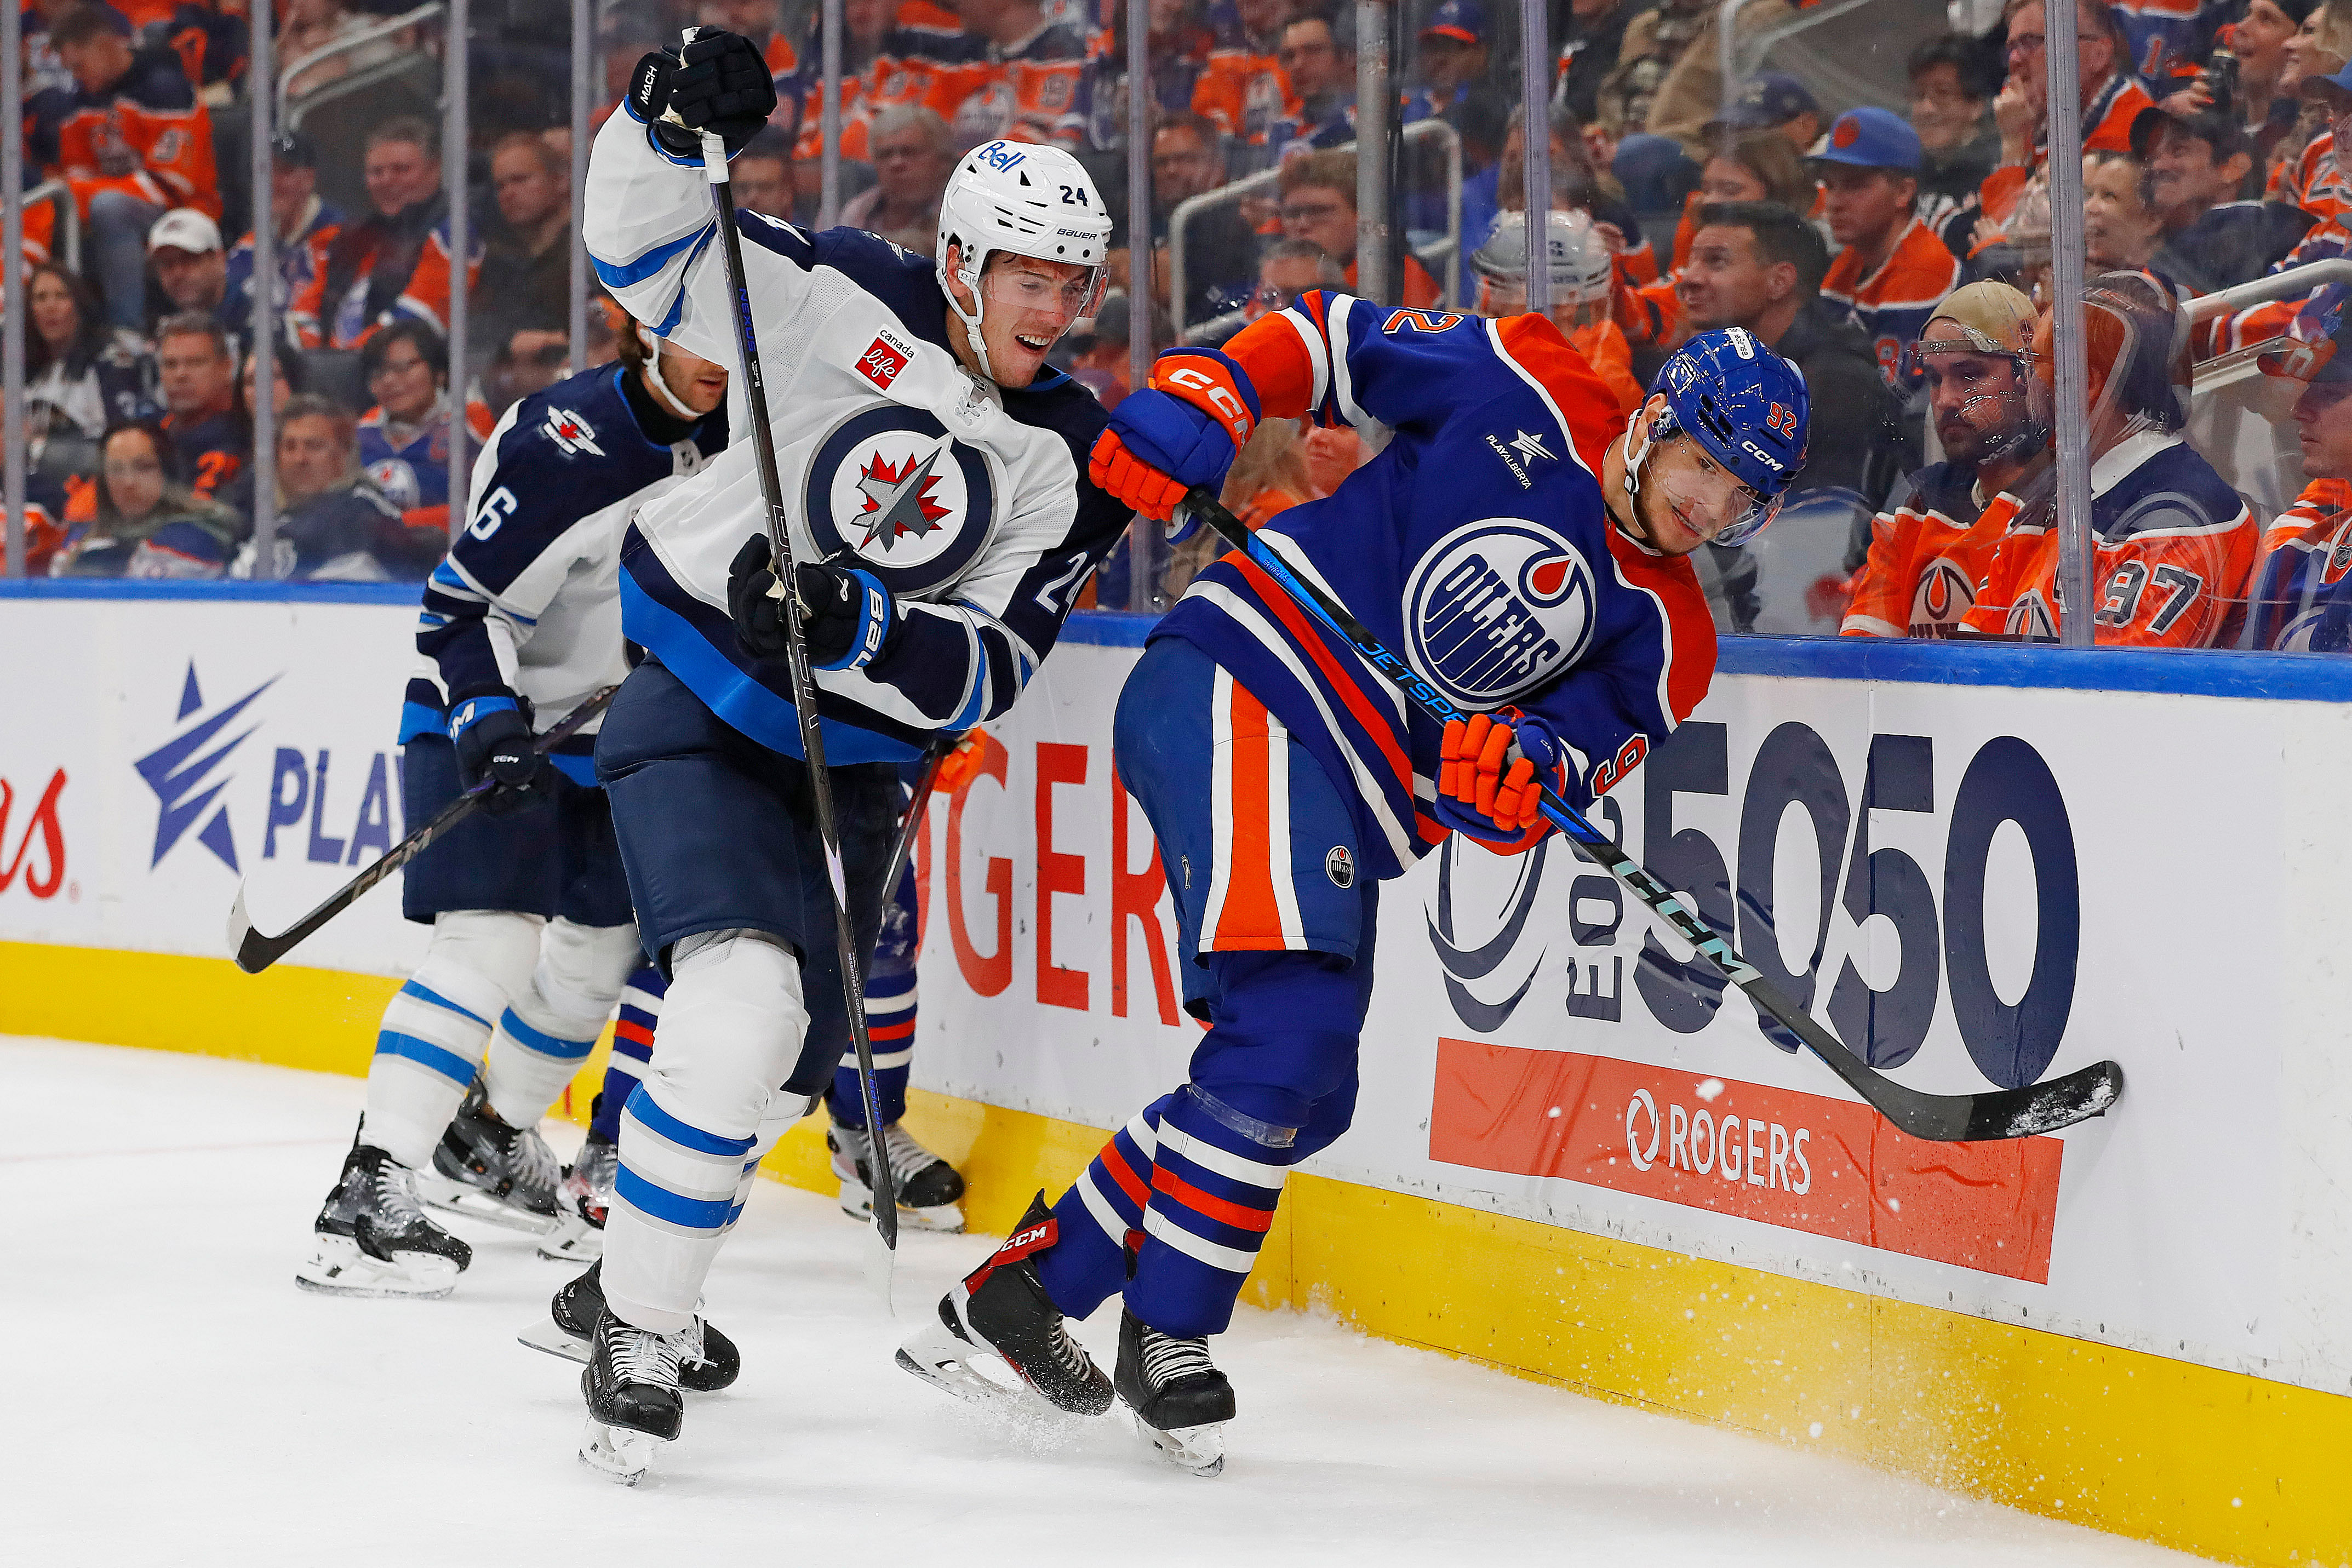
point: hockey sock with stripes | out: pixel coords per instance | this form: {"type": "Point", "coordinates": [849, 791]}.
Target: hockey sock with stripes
{"type": "Point", "coordinates": [1087, 1265]}
{"type": "Point", "coordinates": [633, 1049]}
{"type": "Point", "coordinates": [435, 1027]}
{"type": "Point", "coordinates": [552, 1024]}
{"type": "Point", "coordinates": [889, 1016]}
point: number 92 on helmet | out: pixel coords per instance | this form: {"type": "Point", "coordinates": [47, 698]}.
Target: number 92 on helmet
{"type": "Point", "coordinates": [1747, 408]}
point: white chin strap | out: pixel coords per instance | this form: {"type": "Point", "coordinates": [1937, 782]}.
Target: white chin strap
{"type": "Point", "coordinates": [971, 318]}
{"type": "Point", "coordinates": [659, 381]}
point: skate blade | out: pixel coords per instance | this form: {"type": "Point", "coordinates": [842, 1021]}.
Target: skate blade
{"type": "Point", "coordinates": [572, 1240]}
{"type": "Point", "coordinates": [951, 1366]}
{"type": "Point", "coordinates": [340, 1268]}
{"type": "Point", "coordinates": [550, 1336]}
{"type": "Point", "coordinates": [857, 1203]}
{"type": "Point", "coordinates": [618, 1453]}
{"type": "Point", "coordinates": [459, 1198]}
{"type": "Point", "coordinates": [1198, 1449]}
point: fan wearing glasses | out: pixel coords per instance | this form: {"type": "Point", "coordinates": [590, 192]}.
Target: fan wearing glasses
{"type": "Point", "coordinates": [2111, 96]}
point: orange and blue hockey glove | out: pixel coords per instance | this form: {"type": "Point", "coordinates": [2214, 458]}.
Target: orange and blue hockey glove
{"type": "Point", "coordinates": [1184, 428]}
{"type": "Point", "coordinates": [1490, 777]}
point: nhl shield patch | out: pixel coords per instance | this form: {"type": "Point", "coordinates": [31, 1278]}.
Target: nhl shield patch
{"type": "Point", "coordinates": [889, 486]}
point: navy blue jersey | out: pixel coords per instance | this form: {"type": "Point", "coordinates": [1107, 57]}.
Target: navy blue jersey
{"type": "Point", "coordinates": [528, 600]}
{"type": "Point", "coordinates": [1477, 544]}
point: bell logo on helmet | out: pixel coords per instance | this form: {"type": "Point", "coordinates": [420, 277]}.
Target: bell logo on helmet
{"type": "Point", "coordinates": [999, 155]}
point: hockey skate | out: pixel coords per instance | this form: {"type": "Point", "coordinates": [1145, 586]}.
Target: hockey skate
{"type": "Point", "coordinates": [373, 1239]}
{"type": "Point", "coordinates": [486, 1170]}
{"type": "Point", "coordinates": [710, 1361]}
{"type": "Point", "coordinates": [1001, 1312]}
{"type": "Point", "coordinates": [631, 1384]}
{"type": "Point", "coordinates": [1180, 1400]}
{"type": "Point", "coordinates": [928, 1187]}
{"type": "Point", "coordinates": [578, 1233]}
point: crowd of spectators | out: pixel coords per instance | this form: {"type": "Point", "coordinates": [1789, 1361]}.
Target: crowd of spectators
{"type": "Point", "coordinates": [1839, 235]}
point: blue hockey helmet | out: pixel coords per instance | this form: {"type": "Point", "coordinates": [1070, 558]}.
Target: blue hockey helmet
{"type": "Point", "coordinates": [1747, 408]}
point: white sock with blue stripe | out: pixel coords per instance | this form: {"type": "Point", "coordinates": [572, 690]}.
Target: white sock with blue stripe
{"type": "Point", "coordinates": [431, 1040]}
{"type": "Point", "coordinates": [552, 1024]}
{"type": "Point", "coordinates": [731, 1028]}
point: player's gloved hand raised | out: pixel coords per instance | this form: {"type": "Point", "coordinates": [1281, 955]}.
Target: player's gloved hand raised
{"type": "Point", "coordinates": [1490, 777]}
{"type": "Point", "coordinates": [493, 738]}
{"type": "Point", "coordinates": [846, 616]}
{"type": "Point", "coordinates": [717, 81]}
{"type": "Point", "coordinates": [1183, 429]}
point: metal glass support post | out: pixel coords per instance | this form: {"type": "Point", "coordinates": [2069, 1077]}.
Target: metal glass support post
{"type": "Point", "coordinates": [1139, 528]}
{"type": "Point", "coordinates": [2073, 378]}
{"type": "Point", "coordinates": [828, 202]}
{"type": "Point", "coordinates": [11, 264]}
{"type": "Point", "coordinates": [583, 68]}
{"type": "Point", "coordinates": [1535, 102]}
{"type": "Point", "coordinates": [1373, 111]}
{"type": "Point", "coordinates": [457, 137]}
{"type": "Point", "coordinates": [260, 71]}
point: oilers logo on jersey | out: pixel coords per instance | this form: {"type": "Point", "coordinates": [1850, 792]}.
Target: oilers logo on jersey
{"type": "Point", "coordinates": [1944, 594]}
{"type": "Point", "coordinates": [1495, 609]}
{"type": "Point", "coordinates": [914, 505]}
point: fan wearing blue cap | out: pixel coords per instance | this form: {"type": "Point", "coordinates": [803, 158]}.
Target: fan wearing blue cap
{"type": "Point", "coordinates": [1890, 270]}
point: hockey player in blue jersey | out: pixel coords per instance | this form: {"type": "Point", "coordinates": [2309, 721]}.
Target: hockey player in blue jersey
{"type": "Point", "coordinates": [532, 936]}
{"type": "Point", "coordinates": [1521, 544]}
{"type": "Point", "coordinates": [942, 524]}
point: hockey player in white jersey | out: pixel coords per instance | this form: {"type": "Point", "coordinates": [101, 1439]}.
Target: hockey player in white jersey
{"type": "Point", "coordinates": [934, 477]}
{"type": "Point", "coordinates": [533, 938]}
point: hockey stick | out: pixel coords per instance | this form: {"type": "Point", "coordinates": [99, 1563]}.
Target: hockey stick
{"type": "Point", "coordinates": [903, 848]}
{"type": "Point", "coordinates": [255, 952]}
{"type": "Point", "coordinates": [882, 1181]}
{"type": "Point", "coordinates": [1945, 1117]}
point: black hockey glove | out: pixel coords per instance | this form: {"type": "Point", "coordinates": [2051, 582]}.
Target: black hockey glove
{"type": "Point", "coordinates": [493, 738]}
{"type": "Point", "coordinates": [716, 82]}
{"type": "Point", "coordinates": [845, 616]}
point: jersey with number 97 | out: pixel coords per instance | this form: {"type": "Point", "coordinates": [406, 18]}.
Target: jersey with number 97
{"type": "Point", "coordinates": [527, 599]}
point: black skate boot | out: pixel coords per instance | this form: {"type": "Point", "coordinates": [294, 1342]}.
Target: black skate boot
{"type": "Point", "coordinates": [1001, 1308]}
{"type": "Point", "coordinates": [632, 1389]}
{"type": "Point", "coordinates": [710, 1364]}
{"type": "Point", "coordinates": [586, 1191]}
{"type": "Point", "coordinates": [1181, 1401]}
{"type": "Point", "coordinates": [486, 1169]}
{"type": "Point", "coordinates": [928, 1187]}
{"type": "Point", "coordinates": [373, 1238]}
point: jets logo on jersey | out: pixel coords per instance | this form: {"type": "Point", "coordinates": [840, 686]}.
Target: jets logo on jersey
{"type": "Point", "coordinates": [891, 485]}
{"type": "Point", "coordinates": [571, 432]}
{"type": "Point", "coordinates": [1497, 608]}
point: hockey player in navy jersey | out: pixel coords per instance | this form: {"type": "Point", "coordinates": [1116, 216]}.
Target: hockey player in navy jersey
{"type": "Point", "coordinates": [532, 929]}
{"type": "Point", "coordinates": [1521, 544]}
{"type": "Point", "coordinates": [942, 524]}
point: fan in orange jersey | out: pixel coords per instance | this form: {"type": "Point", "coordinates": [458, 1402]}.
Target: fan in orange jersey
{"type": "Point", "coordinates": [1243, 87]}
{"type": "Point", "coordinates": [2173, 544]}
{"type": "Point", "coordinates": [1580, 290]}
{"type": "Point", "coordinates": [1929, 548]}
{"type": "Point", "coordinates": [1891, 270]}
{"type": "Point", "coordinates": [1024, 81]}
{"type": "Point", "coordinates": [2110, 97]}
{"type": "Point", "coordinates": [2302, 597]}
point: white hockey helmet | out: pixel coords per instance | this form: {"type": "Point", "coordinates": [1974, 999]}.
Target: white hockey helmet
{"type": "Point", "coordinates": [1581, 263]}
{"type": "Point", "coordinates": [1028, 199]}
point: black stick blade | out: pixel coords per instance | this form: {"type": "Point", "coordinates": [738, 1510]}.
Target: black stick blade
{"type": "Point", "coordinates": [2047, 1107]}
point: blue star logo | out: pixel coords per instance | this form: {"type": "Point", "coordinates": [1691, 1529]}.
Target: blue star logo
{"type": "Point", "coordinates": [179, 782]}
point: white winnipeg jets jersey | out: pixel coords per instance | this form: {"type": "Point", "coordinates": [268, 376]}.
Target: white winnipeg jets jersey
{"type": "Point", "coordinates": [968, 502]}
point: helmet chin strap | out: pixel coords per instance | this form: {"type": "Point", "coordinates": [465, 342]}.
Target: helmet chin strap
{"type": "Point", "coordinates": [659, 381]}
{"type": "Point", "coordinates": [971, 318]}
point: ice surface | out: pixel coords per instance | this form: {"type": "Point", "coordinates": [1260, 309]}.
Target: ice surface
{"type": "Point", "coordinates": [175, 1399]}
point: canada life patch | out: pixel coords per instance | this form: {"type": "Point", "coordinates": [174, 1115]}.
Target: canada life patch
{"type": "Point", "coordinates": [1497, 608]}
{"type": "Point", "coordinates": [881, 362]}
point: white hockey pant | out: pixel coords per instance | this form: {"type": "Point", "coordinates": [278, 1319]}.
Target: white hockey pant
{"type": "Point", "coordinates": [434, 1030]}
{"type": "Point", "coordinates": [552, 1024]}
{"type": "Point", "coordinates": [693, 1133]}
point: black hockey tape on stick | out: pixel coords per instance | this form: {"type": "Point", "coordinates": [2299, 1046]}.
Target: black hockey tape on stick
{"type": "Point", "coordinates": [1945, 1117]}
{"type": "Point", "coordinates": [255, 952]}
{"type": "Point", "coordinates": [882, 1181]}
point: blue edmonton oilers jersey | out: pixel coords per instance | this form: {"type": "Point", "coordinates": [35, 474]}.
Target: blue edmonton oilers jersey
{"type": "Point", "coordinates": [1477, 544]}
{"type": "Point", "coordinates": [412, 473]}
{"type": "Point", "coordinates": [968, 502]}
{"type": "Point", "coordinates": [527, 599]}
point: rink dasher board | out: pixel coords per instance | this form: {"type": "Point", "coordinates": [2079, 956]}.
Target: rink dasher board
{"type": "Point", "coordinates": [2199, 1223]}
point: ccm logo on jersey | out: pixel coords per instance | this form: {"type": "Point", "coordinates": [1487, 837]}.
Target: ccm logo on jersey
{"type": "Point", "coordinates": [571, 432]}
{"type": "Point", "coordinates": [1495, 609]}
{"type": "Point", "coordinates": [883, 360]}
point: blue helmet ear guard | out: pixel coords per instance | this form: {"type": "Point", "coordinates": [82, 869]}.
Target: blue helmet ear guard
{"type": "Point", "coordinates": [1747, 408]}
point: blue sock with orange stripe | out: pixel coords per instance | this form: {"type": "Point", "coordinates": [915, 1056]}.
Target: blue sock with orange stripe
{"type": "Point", "coordinates": [633, 1049]}
{"type": "Point", "coordinates": [1087, 1262]}
{"type": "Point", "coordinates": [889, 1016]}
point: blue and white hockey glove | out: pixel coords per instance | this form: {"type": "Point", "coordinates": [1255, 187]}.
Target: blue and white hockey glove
{"type": "Point", "coordinates": [1490, 777]}
{"type": "Point", "coordinates": [846, 616]}
{"type": "Point", "coordinates": [493, 738]}
{"type": "Point", "coordinates": [716, 82]}
{"type": "Point", "coordinates": [1183, 429]}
